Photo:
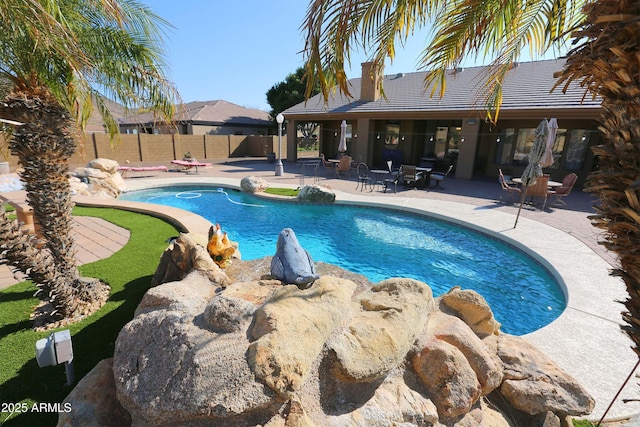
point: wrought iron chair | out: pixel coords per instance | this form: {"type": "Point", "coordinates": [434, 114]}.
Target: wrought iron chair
{"type": "Point", "coordinates": [363, 176]}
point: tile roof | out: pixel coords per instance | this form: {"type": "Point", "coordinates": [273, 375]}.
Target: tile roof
{"type": "Point", "coordinates": [210, 112]}
{"type": "Point", "coordinates": [526, 87]}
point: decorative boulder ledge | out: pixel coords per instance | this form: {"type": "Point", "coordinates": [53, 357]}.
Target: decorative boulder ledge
{"type": "Point", "coordinates": [239, 348]}
{"type": "Point", "coordinates": [100, 178]}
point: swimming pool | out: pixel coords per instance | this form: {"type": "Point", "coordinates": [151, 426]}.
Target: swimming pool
{"type": "Point", "coordinates": [383, 243]}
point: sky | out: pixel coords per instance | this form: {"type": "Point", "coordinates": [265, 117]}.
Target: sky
{"type": "Point", "coordinates": [237, 50]}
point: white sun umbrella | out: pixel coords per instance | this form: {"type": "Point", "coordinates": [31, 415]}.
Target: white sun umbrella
{"type": "Point", "coordinates": [534, 170]}
{"type": "Point", "coordinates": [342, 147]}
{"type": "Point", "coordinates": [547, 157]}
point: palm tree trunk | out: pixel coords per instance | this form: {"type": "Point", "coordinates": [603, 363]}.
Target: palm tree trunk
{"type": "Point", "coordinates": [43, 146]}
{"type": "Point", "coordinates": [608, 66]}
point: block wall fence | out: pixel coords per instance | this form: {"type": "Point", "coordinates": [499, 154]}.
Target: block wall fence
{"type": "Point", "coordinates": [160, 149]}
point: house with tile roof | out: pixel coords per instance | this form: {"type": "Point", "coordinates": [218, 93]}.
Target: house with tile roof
{"type": "Point", "coordinates": [408, 126]}
{"type": "Point", "coordinates": [204, 118]}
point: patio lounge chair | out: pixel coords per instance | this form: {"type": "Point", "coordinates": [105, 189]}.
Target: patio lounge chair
{"type": "Point", "coordinates": [188, 165]}
{"type": "Point", "coordinates": [439, 177]}
{"type": "Point", "coordinates": [124, 170]}
{"type": "Point", "coordinates": [508, 191]}
{"type": "Point", "coordinates": [563, 191]}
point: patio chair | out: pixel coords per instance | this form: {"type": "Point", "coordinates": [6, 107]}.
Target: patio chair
{"type": "Point", "coordinates": [564, 190]}
{"type": "Point", "coordinates": [363, 176]}
{"type": "Point", "coordinates": [508, 191]}
{"type": "Point", "coordinates": [539, 189]}
{"type": "Point", "coordinates": [439, 178]}
{"type": "Point", "coordinates": [327, 164]}
{"type": "Point", "coordinates": [392, 180]}
{"type": "Point", "coordinates": [410, 175]}
{"type": "Point", "coordinates": [344, 167]}
{"type": "Point", "coordinates": [392, 171]}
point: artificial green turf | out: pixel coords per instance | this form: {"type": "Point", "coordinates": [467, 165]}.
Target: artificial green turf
{"type": "Point", "coordinates": [282, 191]}
{"type": "Point", "coordinates": [128, 272]}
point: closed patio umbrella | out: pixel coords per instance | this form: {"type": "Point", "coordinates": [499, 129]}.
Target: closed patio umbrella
{"type": "Point", "coordinates": [547, 157]}
{"type": "Point", "coordinates": [534, 169]}
{"type": "Point", "coordinates": [342, 147]}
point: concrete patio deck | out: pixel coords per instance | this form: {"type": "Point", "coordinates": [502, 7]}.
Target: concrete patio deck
{"type": "Point", "coordinates": [585, 341]}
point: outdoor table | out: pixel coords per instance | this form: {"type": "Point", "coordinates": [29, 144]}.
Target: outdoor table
{"type": "Point", "coordinates": [550, 184]}
{"type": "Point", "coordinates": [379, 173]}
{"type": "Point", "coordinates": [303, 164]}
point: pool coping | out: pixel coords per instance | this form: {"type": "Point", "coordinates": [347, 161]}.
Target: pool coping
{"type": "Point", "coordinates": [593, 309]}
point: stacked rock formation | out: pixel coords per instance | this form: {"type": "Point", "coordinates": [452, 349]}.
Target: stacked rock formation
{"type": "Point", "coordinates": [100, 178]}
{"type": "Point", "coordinates": [239, 348]}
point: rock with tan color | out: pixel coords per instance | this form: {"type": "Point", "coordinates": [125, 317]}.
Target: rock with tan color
{"type": "Point", "coordinates": [93, 401]}
{"type": "Point", "coordinates": [291, 328]}
{"type": "Point", "coordinates": [106, 165]}
{"type": "Point", "coordinates": [533, 383]}
{"type": "Point", "coordinates": [451, 381]}
{"type": "Point", "coordinates": [253, 184]}
{"type": "Point", "coordinates": [388, 318]}
{"type": "Point", "coordinates": [172, 368]}
{"type": "Point", "coordinates": [184, 255]}
{"type": "Point", "coordinates": [486, 364]}
{"type": "Point", "coordinates": [471, 307]}
{"type": "Point", "coordinates": [102, 177]}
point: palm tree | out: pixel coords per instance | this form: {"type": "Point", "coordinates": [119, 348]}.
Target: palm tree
{"type": "Point", "coordinates": [62, 57]}
{"type": "Point", "coordinates": [604, 61]}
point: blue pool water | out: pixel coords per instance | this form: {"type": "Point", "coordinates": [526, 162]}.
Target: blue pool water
{"type": "Point", "coordinates": [383, 243]}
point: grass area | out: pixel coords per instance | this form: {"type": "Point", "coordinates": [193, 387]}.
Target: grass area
{"type": "Point", "coordinates": [289, 192]}
{"type": "Point", "coordinates": [128, 272]}
{"type": "Point", "coordinates": [11, 212]}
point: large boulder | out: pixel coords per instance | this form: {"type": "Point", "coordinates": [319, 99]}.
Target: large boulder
{"type": "Point", "coordinates": [291, 328]}
{"type": "Point", "coordinates": [386, 322]}
{"type": "Point", "coordinates": [106, 165]}
{"type": "Point", "coordinates": [316, 194]}
{"type": "Point", "coordinates": [533, 383]}
{"type": "Point", "coordinates": [93, 401]}
{"type": "Point", "coordinates": [253, 184]}
{"type": "Point", "coordinates": [101, 177]}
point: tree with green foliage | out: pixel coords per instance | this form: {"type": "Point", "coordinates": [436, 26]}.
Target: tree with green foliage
{"type": "Point", "coordinates": [61, 57]}
{"type": "Point", "coordinates": [604, 61]}
{"type": "Point", "coordinates": [288, 93]}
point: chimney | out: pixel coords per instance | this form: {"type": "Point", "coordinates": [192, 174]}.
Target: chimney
{"type": "Point", "coordinates": [370, 84]}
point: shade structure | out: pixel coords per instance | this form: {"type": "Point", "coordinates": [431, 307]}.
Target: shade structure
{"type": "Point", "coordinates": [547, 157]}
{"type": "Point", "coordinates": [534, 169]}
{"type": "Point", "coordinates": [342, 147]}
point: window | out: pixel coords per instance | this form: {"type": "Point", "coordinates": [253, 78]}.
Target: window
{"type": "Point", "coordinates": [524, 143]}
{"type": "Point", "coordinates": [392, 135]}
{"type": "Point", "coordinates": [441, 141]}
{"type": "Point", "coordinates": [504, 145]}
{"type": "Point", "coordinates": [576, 149]}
